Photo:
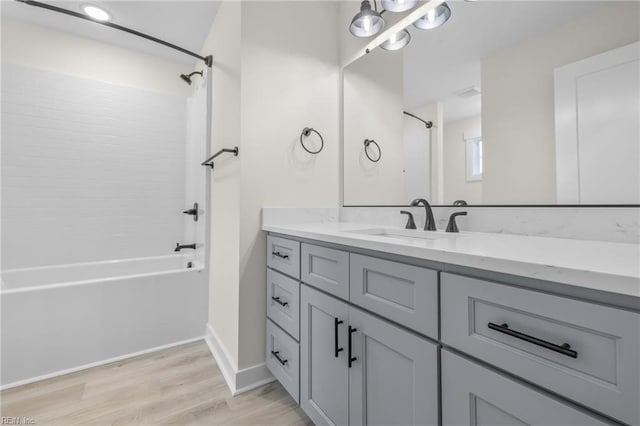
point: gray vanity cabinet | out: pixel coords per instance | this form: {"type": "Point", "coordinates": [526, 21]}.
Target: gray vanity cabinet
{"type": "Point", "coordinates": [385, 340]}
{"type": "Point", "coordinates": [324, 373]}
{"type": "Point", "coordinates": [392, 377]}
{"type": "Point", "coordinates": [326, 269]}
{"type": "Point", "coordinates": [475, 395]}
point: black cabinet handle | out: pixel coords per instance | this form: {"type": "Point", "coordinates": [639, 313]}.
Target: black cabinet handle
{"type": "Point", "coordinates": [280, 255]}
{"type": "Point", "coordinates": [351, 358]}
{"type": "Point", "coordinates": [336, 349]}
{"type": "Point", "coordinates": [564, 349]}
{"type": "Point", "coordinates": [278, 301]}
{"type": "Point", "coordinates": [280, 360]}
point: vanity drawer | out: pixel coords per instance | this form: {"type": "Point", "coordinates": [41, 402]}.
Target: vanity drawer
{"type": "Point", "coordinates": [402, 293]}
{"type": "Point", "coordinates": [283, 255]}
{"type": "Point", "coordinates": [283, 302]}
{"type": "Point", "coordinates": [283, 359]}
{"type": "Point", "coordinates": [599, 369]}
{"type": "Point", "coordinates": [475, 395]}
{"type": "Point", "coordinates": [326, 269]}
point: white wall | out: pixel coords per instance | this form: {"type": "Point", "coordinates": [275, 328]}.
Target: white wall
{"type": "Point", "coordinates": [290, 80]}
{"type": "Point", "coordinates": [40, 47]}
{"type": "Point", "coordinates": [275, 72]}
{"type": "Point", "coordinates": [373, 105]}
{"type": "Point", "coordinates": [223, 42]}
{"type": "Point", "coordinates": [456, 186]}
{"type": "Point", "coordinates": [518, 102]}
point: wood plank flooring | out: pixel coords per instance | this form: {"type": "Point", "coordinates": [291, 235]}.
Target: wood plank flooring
{"type": "Point", "coordinates": [177, 386]}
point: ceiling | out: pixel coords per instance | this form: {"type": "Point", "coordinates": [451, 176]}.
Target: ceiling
{"type": "Point", "coordinates": [183, 23]}
{"type": "Point", "coordinates": [441, 62]}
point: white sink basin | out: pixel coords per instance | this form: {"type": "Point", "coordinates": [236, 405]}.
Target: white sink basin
{"type": "Point", "coordinates": [407, 233]}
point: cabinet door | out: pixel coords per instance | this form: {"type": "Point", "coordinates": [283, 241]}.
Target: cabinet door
{"type": "Point", "coordinates": [324, 378]}
{"type": "Point", "coordinates": [475, 395]}
{"type": "Point", "coordinates": [394, 378]}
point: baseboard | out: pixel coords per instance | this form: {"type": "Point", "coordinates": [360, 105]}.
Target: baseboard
{"type": "Point", "coordinates": [225, 362]}
{"type": "Point", "coordinates": [252, 377]}
{"type": "Point", "coordinates": [238, 381]}
{"type": "Point", "coordinates": [98, 363]}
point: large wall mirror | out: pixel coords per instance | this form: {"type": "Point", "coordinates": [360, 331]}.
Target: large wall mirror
{"type": "Point", "coordinates": [507, 103]}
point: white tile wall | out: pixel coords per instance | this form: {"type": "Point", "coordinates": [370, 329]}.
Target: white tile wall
{"type": "Point", "coordinates": [90, 170]}
{"type": "Point", "coordinates": [196, 175]}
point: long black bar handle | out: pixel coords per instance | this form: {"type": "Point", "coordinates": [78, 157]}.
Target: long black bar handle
{"type": "Point", "coordinates": [279, 302]}
{"type": "Point", "coordinates": [351, 357]}
{"type": "Point", "coordinates": [280, 360]}
{"type": "Point", "coordinates": [280, 255]}
{"type": "Point", "coordinates": [336, 349]}
{"type": "Point", "coordinates": [564, 349]}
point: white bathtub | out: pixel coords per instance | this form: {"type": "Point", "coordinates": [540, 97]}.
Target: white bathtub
{"type": "Point", "coordinates": [64, 318]}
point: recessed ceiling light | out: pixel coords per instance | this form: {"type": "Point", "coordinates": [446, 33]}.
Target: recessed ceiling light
{"type": "Point", "coordinates": [94, 12]}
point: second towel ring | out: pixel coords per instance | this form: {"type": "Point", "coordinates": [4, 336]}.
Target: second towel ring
{"type": "Point", "coordinates": [368, 142]}
{"type": "Point", "coordinates": [306, 132]}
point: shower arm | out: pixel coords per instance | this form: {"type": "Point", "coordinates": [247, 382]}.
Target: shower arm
{"type": "Point", "coordinates": [208, 60]}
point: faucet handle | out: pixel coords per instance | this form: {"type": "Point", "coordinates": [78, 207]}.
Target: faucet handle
{"type": "Point", "coordinates": [411, 224]}
{"type": "Point", "coordinates": [452, 226]}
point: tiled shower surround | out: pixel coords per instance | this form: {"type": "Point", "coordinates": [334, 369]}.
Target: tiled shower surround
{"type": "Point", "coordinates": [90, 170]}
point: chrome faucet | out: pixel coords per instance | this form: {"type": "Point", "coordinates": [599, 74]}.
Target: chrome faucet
{"type": "Point", "coordinates": [430, 221]}
{"type": "Point", "coordinates": [184, 246]}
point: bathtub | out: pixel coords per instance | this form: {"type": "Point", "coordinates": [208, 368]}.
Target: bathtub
{"type": "Point", "coordinates": [59, 319]}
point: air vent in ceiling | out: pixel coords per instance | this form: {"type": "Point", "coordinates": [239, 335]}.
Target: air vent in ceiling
{"type": "Point", "coordinates": [468, 92]}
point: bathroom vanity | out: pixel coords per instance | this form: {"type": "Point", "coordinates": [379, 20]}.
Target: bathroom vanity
{"type": "Point", "coordinates": [371, 325]}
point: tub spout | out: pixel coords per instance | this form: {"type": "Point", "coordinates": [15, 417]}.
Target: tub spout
{"type": "Point", "coordinates": [184, 246]}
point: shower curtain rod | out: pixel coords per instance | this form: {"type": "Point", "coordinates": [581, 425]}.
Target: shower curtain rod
{"type": "Point", "coordinates": [208, 60]}
{"type": "Point", "coordinates": [429, 124]}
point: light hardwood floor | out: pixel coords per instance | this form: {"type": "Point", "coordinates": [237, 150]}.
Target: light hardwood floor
{"type": "Point", "coordinates": [179, 386]}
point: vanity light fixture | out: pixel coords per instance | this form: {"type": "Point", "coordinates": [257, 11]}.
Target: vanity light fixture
{"type": "Point", "coordinates": [398, 5]}
{"type": "Point", "coordinates": [94, 12]}
{"type": "Point", "coordinates": [397, 41]}
{"type": "Point", "coordinates": [434, 18]}
{"type": "Point", "coordinates": [367, 22]}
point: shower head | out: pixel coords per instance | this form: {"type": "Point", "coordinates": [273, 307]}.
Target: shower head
{"type": "Point", "coordinates": [187, 78]}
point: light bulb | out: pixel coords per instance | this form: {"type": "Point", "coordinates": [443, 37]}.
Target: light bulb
{"type": "Point", "coordinates": [366, 23]}
{"type": "Point", "coordinates": [431, 15]}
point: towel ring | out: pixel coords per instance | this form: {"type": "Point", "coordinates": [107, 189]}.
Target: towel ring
{"type": "Point", "coordinates": [368, 142]}
{"type": "Point", "coordinates": [306, 132]}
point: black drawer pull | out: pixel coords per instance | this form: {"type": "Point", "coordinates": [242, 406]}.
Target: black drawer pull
{"type": "Point", "coordinates": [351, 358]}
{"type": "Point", "coordinates": [336, 349]}
{"type": "Point", "coordinates": [280, 255]}
{"type": "Point", "coordinates": [280, 360]}
{"type": "Point", "coordinates": [564, 349]}
{"type": "Point", "coordinates": [278, 301]}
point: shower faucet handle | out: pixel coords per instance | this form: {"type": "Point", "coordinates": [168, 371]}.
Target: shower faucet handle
{"type": "Point", "coordinates": [193, 211]}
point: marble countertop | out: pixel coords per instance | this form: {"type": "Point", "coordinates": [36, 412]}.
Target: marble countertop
{"type": "Point", "coordinates": [604, 266]}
